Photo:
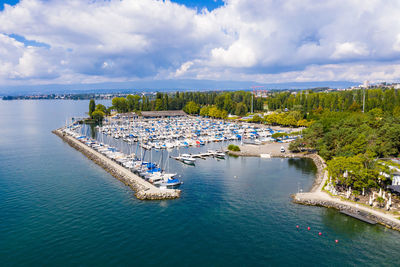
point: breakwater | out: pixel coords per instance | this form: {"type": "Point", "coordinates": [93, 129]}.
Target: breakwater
{"type": "Point", "coordinates": [317, 196]}
{"type": "Point", "coordinates": [144, 190]}
{"type": "Point", "coordinates": [322, 199]}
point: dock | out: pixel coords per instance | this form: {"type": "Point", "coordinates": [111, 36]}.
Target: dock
{"type": "Point", "coordinates": [358, 216]}
{"type": "Point", "coordinates": [144, 190]}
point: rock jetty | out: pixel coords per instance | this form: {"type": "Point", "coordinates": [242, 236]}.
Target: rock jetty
{"type": "Point", "coordinates": [144, 190]}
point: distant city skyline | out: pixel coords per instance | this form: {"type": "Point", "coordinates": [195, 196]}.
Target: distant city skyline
{"type": "Point", "coordinates": [241, 42]}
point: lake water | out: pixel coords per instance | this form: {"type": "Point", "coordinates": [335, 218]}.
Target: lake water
{"type": "Point", "coordinates": [58, 208]}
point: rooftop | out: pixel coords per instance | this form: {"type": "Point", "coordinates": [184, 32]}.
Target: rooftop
{"type": "Point", "coordinates": [164, 113]}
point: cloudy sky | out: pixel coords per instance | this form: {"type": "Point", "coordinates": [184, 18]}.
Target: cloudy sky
{"type": "Point", "coordinates": [267, 41]}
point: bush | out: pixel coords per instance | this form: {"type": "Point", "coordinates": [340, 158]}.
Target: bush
{"type": "Point", "coordinates": [232, 147]}
{"type": "Point", "coordinates": [279, 135]}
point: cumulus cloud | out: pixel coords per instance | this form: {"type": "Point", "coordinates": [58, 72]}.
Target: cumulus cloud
{"type": "Point", "coordinates": [264, 40]}
{"type": "Point", "coordinates": [184, 68]}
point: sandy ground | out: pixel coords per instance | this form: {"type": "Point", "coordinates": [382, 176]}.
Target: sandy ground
{"type": "Point", "coordinates": [274, 149]}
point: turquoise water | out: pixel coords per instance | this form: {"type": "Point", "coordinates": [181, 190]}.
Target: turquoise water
{"type": "Point", "coordinates": [58, 208]}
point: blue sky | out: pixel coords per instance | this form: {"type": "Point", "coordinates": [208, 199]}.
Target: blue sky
{"type": "Point", "coordinates": [9, 2]}
{"type": "Point", "coordinates": [263, 41]}
{"type": "Point", "coordinates": [200, 4]}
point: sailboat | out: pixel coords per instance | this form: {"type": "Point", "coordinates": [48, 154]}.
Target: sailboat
{"type": "Point", "coordinates": [185, 158]}
{"type": "Point", "coordinates": [165, 179]}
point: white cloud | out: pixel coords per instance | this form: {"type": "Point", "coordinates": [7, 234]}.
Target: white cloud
{"type": "Point", "coordinates": [348, 50]}
{"type": "Point", "coordinates": [264, 40]}
{"type": "Point", "coordinates": [184, 68]}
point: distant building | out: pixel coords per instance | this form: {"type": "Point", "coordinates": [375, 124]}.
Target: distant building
{"type": "Point", "coordinates": [128, 116]}
{"type": "Point", "coordinates": [163, 114]}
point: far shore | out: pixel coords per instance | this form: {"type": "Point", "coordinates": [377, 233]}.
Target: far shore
{"type": "Point", "coordinates": [317, 196]}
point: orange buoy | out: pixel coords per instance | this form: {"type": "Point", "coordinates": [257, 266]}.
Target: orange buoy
{"type": "Point", "coordinates": [319, 233]}
{"type": "Point", "coordinates": [308, 228]}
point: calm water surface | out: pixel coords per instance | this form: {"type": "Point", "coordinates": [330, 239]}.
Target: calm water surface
{"type": "Point", "coordinates": [58, 208]}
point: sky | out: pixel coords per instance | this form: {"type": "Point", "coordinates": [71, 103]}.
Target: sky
{"type": "Point", "coordinates": [260, 41]}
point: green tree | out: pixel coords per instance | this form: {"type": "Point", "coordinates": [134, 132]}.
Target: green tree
{"type": "Point", "coordinates": [101, 108]}
{"type": "Point", "coordinates": [120, 104]}
{"type": "Point", "coordinates": [241, 109]}
{"type": "Point", "coordinates": [204, 111]}
{"type": "Point", "coordinates": [228, 104]}
{"type": "Point", "coordinates": [256, 119]}
{"type": "Point", "coordinates": [191, 108]}
{"type": "Point", "coordinates": [159, 104]}
{"type": "Point", "coordinates": [130, 101]}
{"type": "Point", "coordinates": [98, 115]}
{"type": "Point", "coordinates": [396, 112]}
{"type": "Point", "coordinates": [92, 107]}
{"type": "Point", "coordinates": [214, 112]}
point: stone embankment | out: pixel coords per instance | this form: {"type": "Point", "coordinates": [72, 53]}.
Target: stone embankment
{"type": "Point", "coordinates": [317, 196]}
{"type": "Point", "coordinates": [144, 190]}
{"type": "Point", "coordinates": [322, 199]}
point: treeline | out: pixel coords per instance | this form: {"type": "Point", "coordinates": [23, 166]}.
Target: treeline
{"type": "Point", "coordinates": [238, 102]}
{"type": "Point", "coordinates": [351, 100]}
{"type": "Point", "coordinates": [351, 143]}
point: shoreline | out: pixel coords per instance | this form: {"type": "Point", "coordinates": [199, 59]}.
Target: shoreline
{"type": "Point", "coordinates": [143, 189]}
{"type": "Point", "coordinates": [318, 197]}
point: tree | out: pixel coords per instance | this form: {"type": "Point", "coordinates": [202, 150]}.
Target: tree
{"type": "Point", "coordinates": [396, 112]}
{"type": "Point", "coordinates": [289, 120]}
{"type": "Point", "coordinates": [228, 104]}
{"type": "Point", "coordinates": [159, 104]}
{"type": "Point", "coordinates": [92, 107]}
{"type": "Point", "coordinates": [101, 108]}
{"type": "Point", "coordinates": [296, 145]}
{"type": "Point", "coordinates": [191, 108]}
{"type": "Point", "coordinates": [355, 107]}
{"type": "Point", "coordinates": [120, 104]}
{"type": "Point", "coordinates": [219, 101]}
{"type": "Point", "coordinates": [98, 115]}
{"type": "Point", "coordinates": [223, 114]}
{"type": "Point", "coordinates": [214, 112]}
{"type": "Point", "coordinates": [256, 119]}
{"type": "Point", "coordinates": [130, 101]}
{"type": "Point", "coordinates": [241, 109]}
{"type": "Point", "coordinates": [204, 111]}
{"type": "Point", "coordinates": [359, 145]}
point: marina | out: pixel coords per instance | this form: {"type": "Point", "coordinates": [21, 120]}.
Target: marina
{"type": "Point", "coordinates": [199, 133]}
{"type": "Point", "coordinates": [144, 147]}
{"type": "Point", "coordinates": [175, 132]}
{"type": "Point", "coordinates": [78, 212]}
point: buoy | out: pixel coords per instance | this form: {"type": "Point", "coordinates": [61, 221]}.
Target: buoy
{"type": "Point", "coordinates": [320, 233]}
{"type": "Point", "coordinates": [336, 241]}
{"type": "Point", "coordinates": [308, 228]}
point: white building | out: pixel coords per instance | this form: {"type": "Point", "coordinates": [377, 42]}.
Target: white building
{"type": "Point", "coordinates": [396, 178]}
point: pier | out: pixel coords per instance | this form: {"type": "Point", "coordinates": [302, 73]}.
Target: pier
{"type": "Point", "coordinates": [144, 190]}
